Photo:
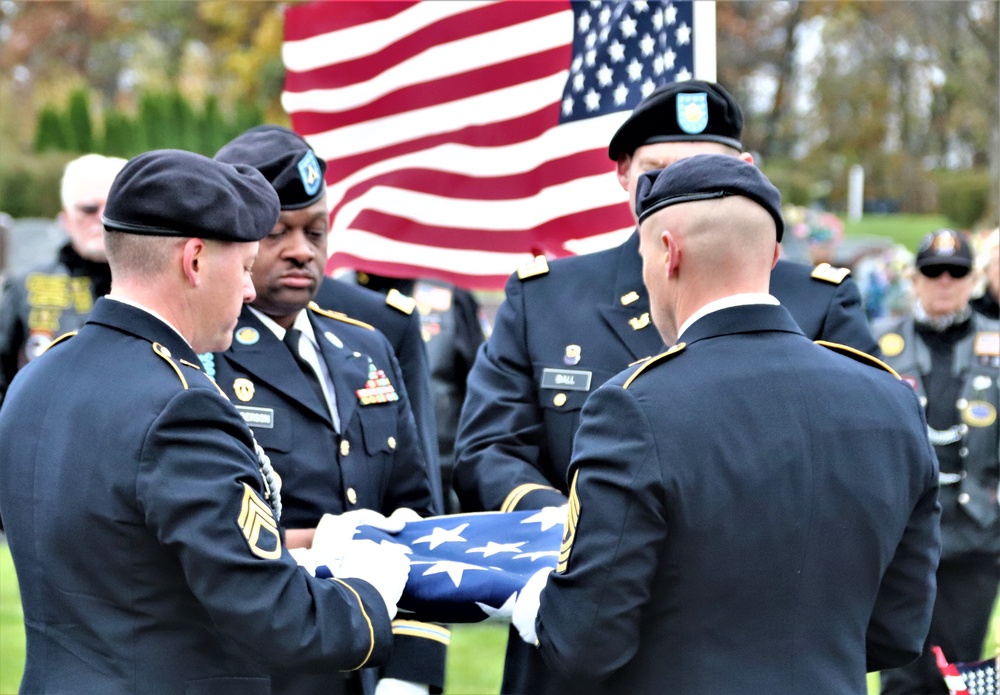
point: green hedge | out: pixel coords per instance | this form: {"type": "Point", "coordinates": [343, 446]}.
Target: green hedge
{"type": "Point", "coordinates": [964, 197]}
{"type": "Point", "coordinates": [29, 185]}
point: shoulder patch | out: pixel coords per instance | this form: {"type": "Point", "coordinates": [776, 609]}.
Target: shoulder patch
{"type": "Point", "coordinates": [60, 339]}
{"type": "Point", "coordinates": [827, 273]}
{"type": "Point", "coordinates": [858, 356]}
{"type": "Point", "coordinates": [165, 354]}
{"type": "Point", "coordinates": [400, 302]}
{"type": "Point", "coordinates": [337, 316]}
{"type": "Point", "coordinates": [533, 268]}
{"type": "Point", "coordinates": [656, 359]}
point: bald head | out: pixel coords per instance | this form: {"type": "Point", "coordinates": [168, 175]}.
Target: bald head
{"type": "Point", "coordinates": [732, 235]}
{"type": "Point", "coordinates": [694, 253]}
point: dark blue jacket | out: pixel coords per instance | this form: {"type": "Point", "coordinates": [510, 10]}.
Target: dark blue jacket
{"type": "Point", "coordinates": [147, 559]}
{"type": "Point", "coordinates": [750, 512]}
{"type": "Point", "coordinates": [516, 433]}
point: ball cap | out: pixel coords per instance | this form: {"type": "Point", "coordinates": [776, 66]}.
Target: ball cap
{"type": "Point", "coordinates": [178, 193]}
{"type": "Point", "coordinates": [944, 247]}
{"type": "Point", "coordinates": [704, 177]}
{"type": "Point", "coordinates": [284, 158]}
{"type": "Point", "coordinates": [689, 111]}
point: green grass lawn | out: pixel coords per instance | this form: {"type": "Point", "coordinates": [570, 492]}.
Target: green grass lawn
{"type": "Point", "coordinates": [11, 626]}
{"type": "Point", "coordinates": [904, 229]}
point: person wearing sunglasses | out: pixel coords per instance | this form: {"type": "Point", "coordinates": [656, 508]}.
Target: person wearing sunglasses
{"type": "Point", "coordinates": [46, 301]}
{"type": "Point", "coordinates": [950, 355]}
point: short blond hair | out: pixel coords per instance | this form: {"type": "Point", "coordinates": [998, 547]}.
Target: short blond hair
{"type": "Point", "coordinates": [135, 255]}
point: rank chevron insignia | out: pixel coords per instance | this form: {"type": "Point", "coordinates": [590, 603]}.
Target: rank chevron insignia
{"type": "Point", "coordinates": [258, 526]}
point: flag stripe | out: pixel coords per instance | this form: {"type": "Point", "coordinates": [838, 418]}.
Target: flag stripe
{"type": "Point", "coordinates": [427, 94]}
{"type": "Point", "coordinates": [478, 38]}
{"type": "Point", "coordinates": [490, 216]}
{"type": "Point", "coordinates": [501, 104]}
{"type": "Point", "coordinates": [499, 163]}
{"type": "Point", "coordinates": [311, 21]}
{"type": "Point", "coordinates": [404, 229]}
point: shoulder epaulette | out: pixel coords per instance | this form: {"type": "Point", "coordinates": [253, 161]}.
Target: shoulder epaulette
{"type": "Point", "coordinates": [400, 302]}
{"type": "Point", "coordinates": [533, 268]}
{"type": "Point", "coordinates": [337, 316]}
{"type": "Point", "coordinates": [656, 359]}
{"type": "Point", "coordinates": [168, 358]}
{"type": "Point", "coordinates": [62, 338]}
{"type": "Point", "coordinates": [857, 355]}
{"type": "Point", "coordinates": [827, 273]}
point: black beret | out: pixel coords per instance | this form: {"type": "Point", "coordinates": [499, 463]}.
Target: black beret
{"type": "Point", "coordinates": [704, 177]}
{"type": "Point", "coordinates": [178, 193]}
{"type": "Point", "coordinates": [944, 247]}
{"type": "Point", "coordinates": [689, 111]}
{"type": "Point", "coordinates": [284, 158]}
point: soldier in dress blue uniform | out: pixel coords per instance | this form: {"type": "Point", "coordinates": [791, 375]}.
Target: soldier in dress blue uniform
{"type": "Point", "coordinates": [950, 355]}
{"type": "Point", "coordinates": [324, 396]}
{"type": "Point", "coordinates": [749, 511]}
{"type": "Point", "coordinates": [453, 327]}
{"type": "Point", "coordinates": [393, 315]}
{"type": "Point", "coordinates": [142, 519]}
{"type": "Point", "coordinates": [567, 327]}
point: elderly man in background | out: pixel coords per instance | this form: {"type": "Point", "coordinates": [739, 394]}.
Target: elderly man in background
{"type": "Point", "coordinates": [950, 355]}
{"type": "Point", "coordinates": [55, 297]}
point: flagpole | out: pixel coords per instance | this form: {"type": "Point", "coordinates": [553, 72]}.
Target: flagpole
{"type": "Point", "coordinates": [703, 18]}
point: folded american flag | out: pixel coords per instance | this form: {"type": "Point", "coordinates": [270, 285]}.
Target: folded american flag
{"type": "Point", "coordinates": [469, 568]}
{"type": "Point", "coordinates": [968, 678]}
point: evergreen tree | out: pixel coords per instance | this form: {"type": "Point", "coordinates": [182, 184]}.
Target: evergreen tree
{"type": "Point", "coordinates": [184, 122]}
{"type": "Point", "coordinates": [79, 129]}
{"type": "Point", "coordinates": [49, 133]}
{"type": "Point", "coordinates": [121, 138]}
{"type": "Point", "coordinates": [248, 115]}
{"type": "Point", "coordinates": [212, 128]}
{"type": "Point", "coordinates": [154, 123]}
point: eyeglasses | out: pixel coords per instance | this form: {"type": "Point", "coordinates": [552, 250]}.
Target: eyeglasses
{"type": "Point", "coordinates": [90, 209]}
{"type": "Point", "coordinates": [935, 271]}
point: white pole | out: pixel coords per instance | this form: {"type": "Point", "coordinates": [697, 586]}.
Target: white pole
{"type": "Point", "coordinates": [703, 18]}
{"type": "Point", "coordinates": [855, 192]}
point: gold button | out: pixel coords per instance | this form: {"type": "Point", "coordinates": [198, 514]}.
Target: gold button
{"type": "Point", "coordinates": [352, 496]}
{"type": "Point", "coordinates": [559, 400]}
{"type": "Point", "coordinates": [392, 442]}
{"type": "Point", "coordinates": [345, 447]}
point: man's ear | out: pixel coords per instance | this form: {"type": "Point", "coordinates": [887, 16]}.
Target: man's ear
{"type": "Point", "coordinates": [624, 162]}
{"type": "Point", "coordinates": [193, 258]}
{"type": "Point", "coordinates": [673, 251]}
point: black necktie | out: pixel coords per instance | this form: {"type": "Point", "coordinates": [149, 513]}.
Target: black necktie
{"type": "Point", "coordinates": [292, 339]}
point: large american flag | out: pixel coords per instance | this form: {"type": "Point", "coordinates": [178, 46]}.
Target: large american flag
{"type": "Point", "coordinates": [465, 137]}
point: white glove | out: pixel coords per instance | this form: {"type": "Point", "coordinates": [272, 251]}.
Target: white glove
{"type": "Point", "coordinates": [385, 567]}
{"type": "Point", "coordinates": [526, 606]}
{"type": "Point", "coordinates": [392, 686]}
{"type": "Point", "coordinates": [334, 531]}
